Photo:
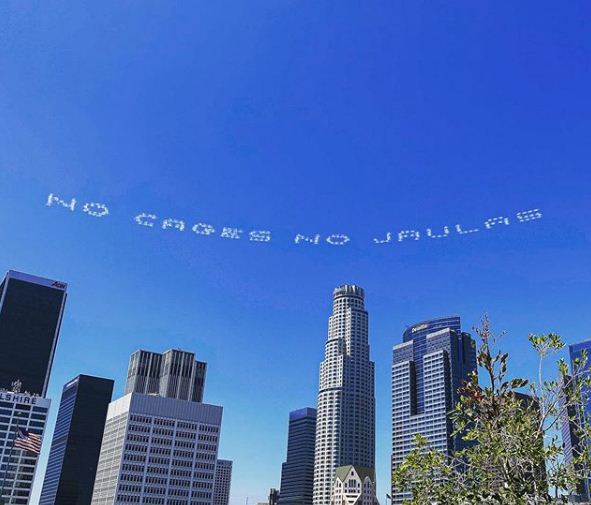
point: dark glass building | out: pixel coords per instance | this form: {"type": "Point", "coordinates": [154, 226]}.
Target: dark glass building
{"type": "Point", "coordinates": [31, 310]}
{"type": "Point", "coordinates": [297, 473]}
{"type": "Point", "coordinates": [273, 496]}
{"type": "Point", "coordinates": [428, 368]}
{"type": "Point", "coordinates": [76, 444]}
{"type": "Point", "coordinates": [173, 374]}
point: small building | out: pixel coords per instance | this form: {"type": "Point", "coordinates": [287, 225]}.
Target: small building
{"type": "Point", "coordinates": [223, 481]}
{"type": "Point", "coordinates": [354, 485]}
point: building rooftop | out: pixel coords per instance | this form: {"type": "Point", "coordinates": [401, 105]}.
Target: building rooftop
{"type": "Point", "coordinates": [349, 290]}
{"type": "Point", "coordinates": [342, 472]}
{"type": "Point", "coordinates": [50, 283]}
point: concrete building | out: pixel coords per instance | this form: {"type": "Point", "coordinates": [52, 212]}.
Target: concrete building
{"type": "Point", "coordinates": [297, 473]}
{"type": "Point", "coordinates": [17, 468]}
{"type": "Point", "coordinates": [173, 374]}
{"type": "Point", "coordinates": [158, 451]}
{"type": "Point", "coordinates": [354, 485]}
{"type": "Point", "coordinates": [71, 467]}
{"type": "Point", "coordinates": [428, 368]}
{"type": "Point", "coordinates": [345, 425]}
{"type": "Point", "coordinates": [223, 482]}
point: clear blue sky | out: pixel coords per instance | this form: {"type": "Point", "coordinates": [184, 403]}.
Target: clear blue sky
{"type": "Point", "coordinates": [313, 117]}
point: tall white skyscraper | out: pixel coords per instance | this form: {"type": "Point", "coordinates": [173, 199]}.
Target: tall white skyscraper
{"type": "Point", "coordinates": [345, 425]}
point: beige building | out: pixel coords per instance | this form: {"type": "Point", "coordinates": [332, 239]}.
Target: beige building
{"type": "Point", "coordinates": [354, 485]}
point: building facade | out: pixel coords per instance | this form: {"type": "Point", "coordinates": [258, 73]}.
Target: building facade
{"type": "Point", "coordinates": [76, 444]}
{"type": "Point", "coordinates": [572, 417]}
{"type": "Point", "coordinates": [17, 466]}
{"type": "Point", "coordinates": [576, 353]}
{"type": "Point", "coordinates": [428, 368]}
{"type": "Point", "coordinates": [158, 451]}
{"type": "Point", "coordinates": [354, 485]}
{"type": "Point", "coordinates": [345, 424]}
{"type": "Point", "coordinates": [273, 496]}
{"type": "Point", "coordinates": [31, 310]}
{"type": "Point", "coordinates": [223, 482]}
{"type": "Point", "coordinates": [297, 473]}
{"type": "Point", "coordinates": [173, 374]}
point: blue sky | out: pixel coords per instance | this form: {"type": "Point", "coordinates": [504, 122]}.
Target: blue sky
{"type": "Point", "coordinates": [296, 117]}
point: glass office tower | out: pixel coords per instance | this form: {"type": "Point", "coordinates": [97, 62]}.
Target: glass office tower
{"type": "Point", "coordinates": [297, 473]}
{"type": "Point", "coordinates": [576, 352]}
{"type": "Point", "coordinates": [76, 445]}
{"type": "Point", "coordinates": [428, 368]}
{"type": "Point", "coordinates": [571, 417]}
{"type": "Point", "coordinates": [31, 310]}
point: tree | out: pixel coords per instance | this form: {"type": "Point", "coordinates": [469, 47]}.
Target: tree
{"type": "Point", "coordinates": [514, 454]}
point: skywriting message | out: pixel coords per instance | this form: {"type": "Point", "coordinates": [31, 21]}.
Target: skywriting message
{"type": "Point", "coordinates": [167, 224]}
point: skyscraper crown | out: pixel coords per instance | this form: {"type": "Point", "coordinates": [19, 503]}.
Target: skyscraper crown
{"type": "Point", "coordinates": [349, 290]}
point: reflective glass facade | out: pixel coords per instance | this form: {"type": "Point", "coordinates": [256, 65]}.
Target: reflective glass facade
{"type": "Point", "coordinates": [75, 448]}
{"type": "Point", "coordinates": [569, 428]}
{"type": "Point", "coordinates": [31, 311]}
{"type": "Point", "coordinates": [428, 368]}
{"type": "Point", "coordinates": [297, 473]}
{"type": "Point", "coordinates": [575, 351]}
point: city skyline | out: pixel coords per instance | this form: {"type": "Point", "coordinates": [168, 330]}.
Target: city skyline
{"type": "Point", "coordinates": [312, 118]}
{"type": "Point", "coordinates": [131, 360]}
{"type": "Point", "coordinates": [186, 357]}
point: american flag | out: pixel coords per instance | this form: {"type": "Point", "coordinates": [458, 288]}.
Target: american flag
{"type": "Point", "coordinates": [28, 441]}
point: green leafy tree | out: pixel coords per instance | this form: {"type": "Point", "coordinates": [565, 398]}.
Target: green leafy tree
{"type": "Point", "coordinates": [514, 454]}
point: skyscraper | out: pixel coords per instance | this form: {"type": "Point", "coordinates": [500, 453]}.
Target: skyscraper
{"type": "Point", "coordinates": [31, 310]}
{"type": "Point", "coordinates": [17, 468]}
{"type": "Point", "coordinates": [576, 353]}
{"type": "Point", "coordinates": [297, 473]}
{"type": "Point", "coordinates": [71, 468]}
{"type": "Point", "coordinates": [573, 417]}
{"type": "Point", "coordinates": [273, 496]}
{"type": "Point", "coordinates": [345, 424]}
{"type": "Point", "coordinates": [223, 482]}
{"type": "Point", "coordinates": [428, 368]}
{"type": "Point", "coordinates": [158, 451]}
{"type": "Point", "coordinates": [173, 374]}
